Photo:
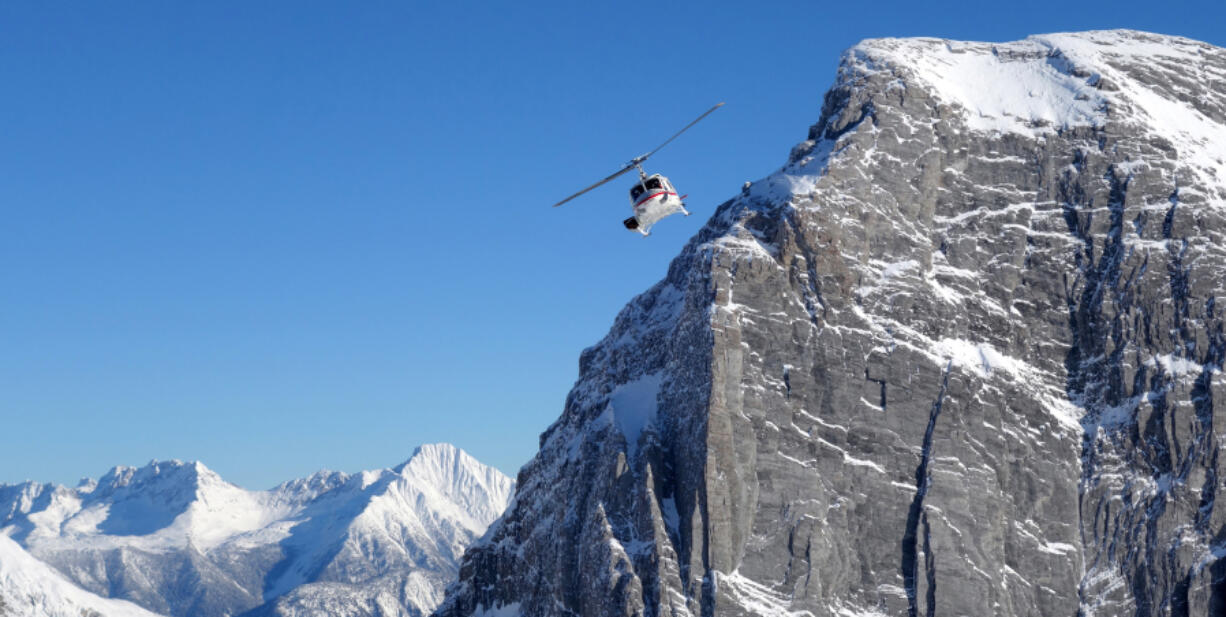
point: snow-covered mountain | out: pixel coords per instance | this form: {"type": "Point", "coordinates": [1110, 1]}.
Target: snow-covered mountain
{"type": "Point", "coordinates": [961, 355]}
{"type": "Point", "coordinates": [31, 588]}
{"type": "Point", "coordinates": [177, 539]}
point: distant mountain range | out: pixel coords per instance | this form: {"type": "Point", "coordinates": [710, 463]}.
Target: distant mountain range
{"type": "Point", "coordinates": [177, 539]}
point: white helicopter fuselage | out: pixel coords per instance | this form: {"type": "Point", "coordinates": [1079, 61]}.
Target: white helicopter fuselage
{"type": "Point", "coordinates": [653, 198]}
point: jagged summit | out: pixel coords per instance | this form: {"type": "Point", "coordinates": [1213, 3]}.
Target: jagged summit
{"type": "Point", "coordinates": [960, 355]}
{"type": "Point", "coordinates": [444, 462]}
{"type": "Point", "coordinates": [439, 456]}
{"type": "Point", "coordinates": [168, 475]}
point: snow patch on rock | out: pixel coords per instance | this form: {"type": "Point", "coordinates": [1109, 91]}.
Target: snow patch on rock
{"type": "Point", "coordinates": [633, 408]}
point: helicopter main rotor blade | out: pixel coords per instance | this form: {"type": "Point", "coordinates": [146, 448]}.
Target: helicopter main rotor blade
{"type": "Point", "coordinates": [678, 134]}
{"type": "Point", "coordinates": [620, 172]}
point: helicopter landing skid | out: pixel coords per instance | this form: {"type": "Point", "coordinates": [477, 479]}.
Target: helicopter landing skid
{"type": "Point", "coordinates": [632, 224]}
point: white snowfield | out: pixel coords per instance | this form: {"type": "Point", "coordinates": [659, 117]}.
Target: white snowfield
{"type": "Point", "coordinates": [30, 588]}
{"type": "Point", "coordinates": [411, 522]}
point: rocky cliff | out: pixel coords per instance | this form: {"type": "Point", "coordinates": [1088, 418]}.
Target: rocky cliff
{"type": "Point", "coordinates": [961, 355]}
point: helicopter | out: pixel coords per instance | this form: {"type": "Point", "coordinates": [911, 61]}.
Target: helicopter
{"type": "Point", "coordinates": [653, 197]}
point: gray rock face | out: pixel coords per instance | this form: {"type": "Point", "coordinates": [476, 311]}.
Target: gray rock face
{"type": "Point", "coordinates": [960, 356]}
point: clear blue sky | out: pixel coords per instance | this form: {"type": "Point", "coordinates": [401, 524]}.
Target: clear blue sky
{"type": "Point", "coordinates": [279, 237]}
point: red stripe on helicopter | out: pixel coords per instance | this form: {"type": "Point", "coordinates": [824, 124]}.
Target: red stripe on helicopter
{"type": "Point", "coordinates": [652, 196]}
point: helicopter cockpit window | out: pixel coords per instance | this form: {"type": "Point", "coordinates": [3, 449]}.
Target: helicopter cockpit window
{"type": "Point", "coordinates": [636, 191]}
{"type": "Point", "coordinates": [653, 183]}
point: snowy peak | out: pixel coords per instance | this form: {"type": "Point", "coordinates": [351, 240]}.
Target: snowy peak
{"type": "Point", "coordinates": [157, 474]}
{"type": "Point", "coordinates": [434, 505]}
{"type": "Point", "coordinates": [142, 501]}
{"type": "Point", "coordinates": [462, 479]}
{"type": "Point", "coordinates": [1052, 82]}
{"type": "Point", "coordinates": [1011, 87]}
{"type": "Point", "coordinates": [169, 503]}
{"type": "Point", "coordinates": [437, 460]}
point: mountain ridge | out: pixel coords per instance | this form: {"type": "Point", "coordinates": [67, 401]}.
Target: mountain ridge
{"type": "Point", "coordinates": [175, 537]}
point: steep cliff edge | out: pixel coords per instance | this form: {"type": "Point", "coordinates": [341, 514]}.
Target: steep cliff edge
{"type": "Point", "coordinates": [960, 356]}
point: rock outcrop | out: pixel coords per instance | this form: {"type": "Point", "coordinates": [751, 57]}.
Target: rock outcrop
{"type": "Point", "coordinates": [961, 355]}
